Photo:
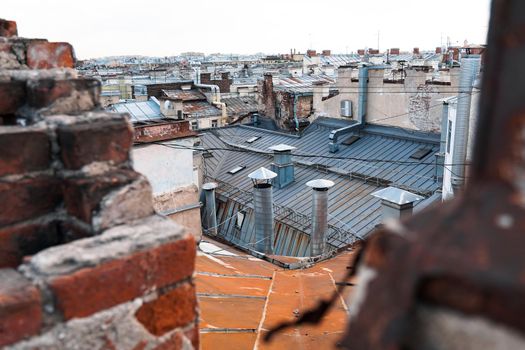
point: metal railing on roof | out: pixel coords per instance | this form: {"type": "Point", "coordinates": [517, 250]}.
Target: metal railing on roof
{"type": "Point", "coordinates": [336, 237]}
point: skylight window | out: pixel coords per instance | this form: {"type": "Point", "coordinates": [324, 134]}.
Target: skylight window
{"type": "Point", "coordinates": [421, 153]}
{"type": "Point", "coordinates": [253, 139]}
{"type": "Point", "coordinates": [236, 169]}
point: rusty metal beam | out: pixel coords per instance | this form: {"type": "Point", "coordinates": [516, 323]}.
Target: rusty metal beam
{"type": "Point", "coordinates": [466, 255]}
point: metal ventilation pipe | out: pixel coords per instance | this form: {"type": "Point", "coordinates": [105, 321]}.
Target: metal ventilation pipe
{"type": "Point", "coordinates": [210, 212]}
{"type": "Point", "coordinates": [363, 94]}
{"type": "Point", "coordinates": [396, 203]}
{"type": "Point", "coordinates": [319, 215]}
{"type": "Point", "coordinates": [469, 71]}
{"type": "Point", "coordinates": [263, 206]}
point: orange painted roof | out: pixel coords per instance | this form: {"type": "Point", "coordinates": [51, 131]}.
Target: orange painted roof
{"type": "Point", "coordinates": [241, 297]}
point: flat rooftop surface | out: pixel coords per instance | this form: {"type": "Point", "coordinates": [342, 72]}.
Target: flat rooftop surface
{"type": "Point", "coordinates": [241, 297]}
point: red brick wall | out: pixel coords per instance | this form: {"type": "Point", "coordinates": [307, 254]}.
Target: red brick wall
{"type": "Point", "coordinates": [224, 83]}
{"type": "Point", "coordinates": [79, 238]}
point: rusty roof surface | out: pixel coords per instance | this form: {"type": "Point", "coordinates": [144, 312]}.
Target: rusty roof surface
{"type": "Point", "coordinates": [240, 105]}
{"type": "Point", "coordinates": [241, 297]}
{"type": "Point", "coordinates": [198, 109]}
{"type": "Point", "coordinates": [184, 95]}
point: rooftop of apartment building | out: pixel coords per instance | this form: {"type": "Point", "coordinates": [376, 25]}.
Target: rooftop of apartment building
{"type": "Point", "coordinates": [371, 158]}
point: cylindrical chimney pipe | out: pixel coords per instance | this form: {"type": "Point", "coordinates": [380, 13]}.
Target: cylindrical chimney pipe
{"type": "Point", "coordinates": [211, 212]}
{"type": "Point", "coordinates": [263, 206]}
{"type": "Point", "coordinates": [319, 215]}
{"type": "Point", "coordinates": [469, 71]}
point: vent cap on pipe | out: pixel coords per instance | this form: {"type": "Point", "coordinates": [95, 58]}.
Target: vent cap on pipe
{"type": "Point", "coordinates": [397, 196]}
{"type": "Point", "coordinates": [282, 148]}
{"type": "Point", "coordinates": [262, 174]}
{"type": "Point", "coordinates": [320, 184]}
{"type": "Point", "coordinates": [209, 186]}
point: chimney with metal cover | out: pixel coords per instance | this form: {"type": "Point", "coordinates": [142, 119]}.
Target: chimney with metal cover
{"type": "Point", "coordinates": [263, 206]}
{"type": "Point", "coordinates": [210, 212]}
{"type": "Point", "coordinates": [282, 165]}
{"type": "Point", "coordinates": [396, 203]}
{"type": "Point", "coordinates": [319, 215]}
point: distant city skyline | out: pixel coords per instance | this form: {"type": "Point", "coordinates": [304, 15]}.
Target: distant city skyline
{"type": "Point", "coordinates": [120, 28]}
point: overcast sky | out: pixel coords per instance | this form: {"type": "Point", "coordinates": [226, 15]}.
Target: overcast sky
{"type": "Point", "coordinates": [164, 28]}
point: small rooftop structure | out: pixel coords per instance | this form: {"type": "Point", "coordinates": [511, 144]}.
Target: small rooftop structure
{"type": "Point", "coordinates": [282, 148]}
{"type": "Point", "coordinates": [320, 184]}
{"type": "Point", "coordinates": [396, 203]}
{"type": "Point", "coordinates": [262, 174]}
{"type": "Point", "coordinates": [397, 196]}
{"type": "Point", "coordinates": [209, 186]}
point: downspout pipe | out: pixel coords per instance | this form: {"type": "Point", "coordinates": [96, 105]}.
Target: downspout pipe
{"type": "Point", "coordinates": [295, 112]}
{"type": "Point", "coordinates": [211, 211]}
{"type": "Point", "coordinates": [361, 112]}
{"type": "Point", "coordinates": [440, 156]}
{"type": "Point", "coordinates": [469, 71]}
{"type": "Point", "coordinates": [363, 94]}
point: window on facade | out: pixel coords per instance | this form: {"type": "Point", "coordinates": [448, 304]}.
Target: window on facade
{"type": "Point", "coordinates": [194, 125]}
{"type": "Point", "coordinates": [179, 114]}
{"type": "Point", "coordinates": [449, 135]}
{"type": "Point", "coordinates": [240, 219]}
{"type": "Point", "coordinates": [214, 123]}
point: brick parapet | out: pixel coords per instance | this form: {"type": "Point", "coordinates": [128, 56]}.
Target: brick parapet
{"type": "Point", "coordinates": [77, 221]}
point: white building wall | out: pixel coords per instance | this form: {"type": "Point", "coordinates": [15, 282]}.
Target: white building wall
{"type": "Point", "coordinates": [166, 168]}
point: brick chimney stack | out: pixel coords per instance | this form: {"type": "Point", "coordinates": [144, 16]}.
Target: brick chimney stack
{"type": "Point", "coordinates": [85, 263]}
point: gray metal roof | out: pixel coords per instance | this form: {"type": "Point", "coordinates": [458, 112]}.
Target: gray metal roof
{"type": "Point", "coordinates": [351, 205]}
{"type": "Point", "coordinates": [303, 84]}
{"type": "Point", "coordinates": [139, 111]}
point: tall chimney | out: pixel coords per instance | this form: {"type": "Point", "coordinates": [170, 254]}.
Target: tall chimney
{"type": "Point", "coordinates": [319, 215]}
{"type": "Point", "coordinates": [469, 71]}
{"type": "Point", "coordinates": [210, 212]}
{"type": "Point", "coordinates": [282, 164]}
{"type": "Point", "coordinates": [263, 206]}
{"type": "Point", "coordinates": [363, 94]}
{"type": "Point", "coordinates": [396, 203]}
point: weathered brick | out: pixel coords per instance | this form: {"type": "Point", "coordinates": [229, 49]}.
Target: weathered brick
{"type": "Point", "coordinates": [193, 336]}
{"type": "Point", "coordinates": [12, 96]}
{"type": "Point", "coordinates": [101, 140]}
{"type": "Point", "coordinates": [26, 239]}
{"type": "Point", "coordinates": [28, 198]}
{"type": "Point", "coordinates": [23, 150]}
{"type": "Point", "coordinates": [67, 96]}
{"type": "Point", "coordinates": [107, 284]}
{"type": "Point", "coordinates": [174, 342]}
{"type": "Point", "coordinates": [45, 55]}
{"type": "Point", "coordinates": [82, 195]}
{"type": "Point", "coordinates": [8, 28]}
{"type": "Point", "coordinates": [128, 203]}
{"type": "Point", "coordinates": [176, 308]}
{"type": "Point", "coordinates": [20, 310]}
